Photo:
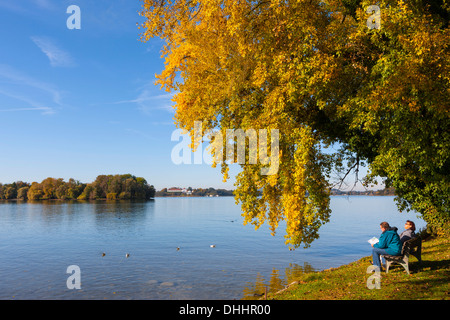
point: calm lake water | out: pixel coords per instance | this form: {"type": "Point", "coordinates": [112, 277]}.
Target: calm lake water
{"type": "Point", "coordinates": [38, 241]}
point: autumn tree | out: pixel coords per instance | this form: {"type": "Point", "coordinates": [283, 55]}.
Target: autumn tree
{"type": "Point", "coordinates": [124, 187]}
{"type": "Point", "coordinates": [74, 189]}
{"type": "Point", "coordinates": [315, 71]}
{"type": "Point", "coordinates": [88, 193]}
{"type": "Point", "coordinates": [35, 191]}
{"type": "Point", "coordinates": [10, 192]}
{"type": "Point", "coordinates": [22, 193]}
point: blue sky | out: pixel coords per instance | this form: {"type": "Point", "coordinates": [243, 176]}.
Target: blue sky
{"type": "Point", "coordinates": [79, 103]}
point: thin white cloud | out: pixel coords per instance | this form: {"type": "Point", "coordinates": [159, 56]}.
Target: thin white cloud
{"type": "Point", "coordinates": [147, 102]}
{"type": "Point", "coordinates": [10, 5]}
{"type": "Point", "coordinates": [46, 110]}
{"type": "Point", "coordinates": [35, 106]}
{"type": "Point", "coordinates": [11, 75]}
{"type": "Point", "coordinates": [46, 4]}
{"type": "Point", "coordinates": [57, 56]}
{"type": "Point", "coordinates": [146, 96]}
{"type": "Point", "coordinates": [140, 133]}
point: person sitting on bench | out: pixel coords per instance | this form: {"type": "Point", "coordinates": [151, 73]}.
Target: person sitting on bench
{"type": "Point", "coordinates": [389, 243]}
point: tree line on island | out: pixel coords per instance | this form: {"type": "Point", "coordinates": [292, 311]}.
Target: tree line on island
{"type": "Point", "coordinates": [121, 187]}
{"type": "Point", "coordinates": [382, 192]}
{"type": "Point", "coordinates": [110, 187]}
{"type": "Point", "coordinates": [195, 192]}
{"type": "Point", "coordinates": [211, 192]}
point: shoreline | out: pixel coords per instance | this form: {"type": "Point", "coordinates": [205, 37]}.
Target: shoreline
{"type": "Point", "coordinates": [72, 200]}
{"type": "Point", "coordinates": [350, 281]}
{"type": "Point", "coordinates": [177, 196]}
{"type": "Point", "coordinates": [22, 201]}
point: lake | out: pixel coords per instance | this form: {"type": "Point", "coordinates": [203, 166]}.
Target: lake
{"type": "Point", "coordinates": [218, 257]}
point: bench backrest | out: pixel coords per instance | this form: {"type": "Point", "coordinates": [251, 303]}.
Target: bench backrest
{"type": "Point", "coordinates": [411, 244]}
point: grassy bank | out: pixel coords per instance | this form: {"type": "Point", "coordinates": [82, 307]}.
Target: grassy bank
{"type": "Point", "coordinates": [349, 282]}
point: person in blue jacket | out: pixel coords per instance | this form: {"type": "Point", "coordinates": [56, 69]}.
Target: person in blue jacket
{"type": "Point", "coordinates": [389, 243]}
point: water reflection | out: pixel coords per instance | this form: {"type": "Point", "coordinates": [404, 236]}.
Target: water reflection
{"type": "Point", "coordinates": [39, 240]}
{"type": "Point", "coordinates": [78, 215]}
{"type": "Point", "coordinates": [276, 282]}
{"type": "Point", "coordinates": [118, 207]}
{"type": "Point", "coordinates": [46, 214]}
{"type": "Point", "coordinates": [127, 215]}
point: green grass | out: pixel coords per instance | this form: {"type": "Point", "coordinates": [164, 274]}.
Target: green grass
{"type": "Point", "coordinates": [349, 282]}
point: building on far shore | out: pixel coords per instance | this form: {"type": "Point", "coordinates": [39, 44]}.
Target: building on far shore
{"type": "Point", "coordinates": [179, 190]}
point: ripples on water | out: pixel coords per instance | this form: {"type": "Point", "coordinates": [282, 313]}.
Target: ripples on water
{"type": "Point", "coordinates": [217, 256]}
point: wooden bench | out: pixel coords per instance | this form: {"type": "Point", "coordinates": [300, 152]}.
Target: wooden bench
{"type": "Point", "coordinates": [412, 246]}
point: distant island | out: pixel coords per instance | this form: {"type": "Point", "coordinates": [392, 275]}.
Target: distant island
{"type": "Point", "coordinates": [382, 192]}
{"type": "Point", "coordinates": [211, 192]}
{"type": "Point", "coordinates": [108, 187]}
{"type": "Point", "coordinates": [190, 192]}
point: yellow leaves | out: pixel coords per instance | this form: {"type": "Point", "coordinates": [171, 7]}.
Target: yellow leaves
{"type": "Point", "coordinates": [307, 68]}
{"type": "Point", "coordinates": [300, 209]}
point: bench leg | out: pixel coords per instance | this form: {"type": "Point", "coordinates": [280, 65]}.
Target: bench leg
{"type": "Point", "coordinates": [388, 264]}
{"type": "Point", "coordinates": [406, 266]}
{"type": "Point", "coordinates": [405, 263]}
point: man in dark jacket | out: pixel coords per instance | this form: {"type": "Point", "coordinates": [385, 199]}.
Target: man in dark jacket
{"type": "Point", "coordinates": [389, 243]}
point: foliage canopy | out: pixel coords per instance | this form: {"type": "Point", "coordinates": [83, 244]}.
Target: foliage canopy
{"type": "Point", "coordinates": [315, 71]}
